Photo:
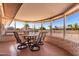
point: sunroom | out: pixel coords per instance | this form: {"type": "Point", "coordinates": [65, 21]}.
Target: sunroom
{"type": "Point", "coordinates": [39, 29]}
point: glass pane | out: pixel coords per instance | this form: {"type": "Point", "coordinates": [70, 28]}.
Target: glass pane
{"type": "Point", "coordinates": [46, 26]}
{"type": "Point", "coordinates": [72, 28]}
{"type": "Point", "coordinates": [10, 28]}
{"type": "Point", "coordinates": [19, 24]}
{"type": "Point", "coordinates": [31, 25]}
{"type": "Point", "coordinates": [57, 26]}
{"type": "Point", "coordinates": [37, 26]}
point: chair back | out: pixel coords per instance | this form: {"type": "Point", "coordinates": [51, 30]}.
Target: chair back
{"type": "Point", "coordinates": [40, 37]}
{"type": "Point", "coordinates": [17, 37]}
{"type": "Point", "coordinates": [43, 36]}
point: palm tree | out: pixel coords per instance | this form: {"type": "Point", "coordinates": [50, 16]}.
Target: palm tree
{"type": "Point", "coordinates": [56, 28]}
{"type": "Point", "coordinates": [76, 26]}
{"type": "Point", "coordinates": [26, 25]}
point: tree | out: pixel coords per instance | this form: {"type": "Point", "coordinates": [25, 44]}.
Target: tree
{"type": "Point", "coordinates": [70, 27]}
{"type": "Point", "coordinates": [73, 26]}
{"type": "Point", "coordinates": [76, 26]}
{"type": "Point", "coordinates": [17, 29]}
{"type": "Point", "coordinates": [42, 28]}
{"type": "Point", "coordinates": [26, 25]}
{"type": "Point", "coordinates": [50, 27]}
{"type": "Point", "coordinates": [56, 28]}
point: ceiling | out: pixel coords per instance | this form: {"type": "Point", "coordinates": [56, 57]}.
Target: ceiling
{"type": "Point", "coordinates": [38, 11]}
{"type": "Point", "coordinates": [10, 9]}
{"type": "Point", "coordinates": [34, 11]}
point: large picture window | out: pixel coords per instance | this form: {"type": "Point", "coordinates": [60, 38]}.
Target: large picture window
{"type": "Point", "coordinates": [72, 28]}
{"type": "Point", "coordinates": [57, 26]}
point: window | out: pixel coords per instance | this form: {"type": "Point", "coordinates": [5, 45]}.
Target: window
{"type": "Point", "coordinates": [46, 26]}
{"type": "Point", "coordinates": [72, 28]}
{"type": "Point", "coordinates": [57, 26]}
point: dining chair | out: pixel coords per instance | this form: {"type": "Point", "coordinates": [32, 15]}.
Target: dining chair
{"type": "Point", "coordinates": [38, 41]}
{"type": "Point", "coordinates": [35, 46]}
{"type": "Point", "coordinates": [21, 45]}
{"type": "Point", "coordinates": [41, 38]}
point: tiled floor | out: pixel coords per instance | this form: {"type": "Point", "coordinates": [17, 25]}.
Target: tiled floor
{"type": "Point", "coordinates": [9, 48]}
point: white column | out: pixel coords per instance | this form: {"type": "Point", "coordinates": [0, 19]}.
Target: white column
{"type": "Point", "coordinates": [41, 26]}
{"type": "Point", "coordinates": [15, 24]}
{"type": "Point", "coordinates": [50, 27]}
{"type": "Point", "coordinates": [34, 27]}
{"type": "Point", "coordinates": [64, 27]}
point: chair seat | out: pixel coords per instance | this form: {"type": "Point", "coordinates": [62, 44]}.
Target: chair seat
{"type": "Point", "coordinates": [22, 46]}
{"type": "Point", "coordinates": [41, 43]}
{"type": "Point", "coordinates": [34, 47]}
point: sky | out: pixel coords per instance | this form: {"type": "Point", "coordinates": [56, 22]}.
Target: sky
{"type": "Point", "coordinates": [71, 19]}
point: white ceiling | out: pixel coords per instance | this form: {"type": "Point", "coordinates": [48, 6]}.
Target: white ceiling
{"type": "Point", "coordinates": [38, 11]}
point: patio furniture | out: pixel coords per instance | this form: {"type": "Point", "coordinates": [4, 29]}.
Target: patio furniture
{"type": "Point", "coordinates": [21, 45]}
{"type": "Point", "coordinates": [41, 38]}
{"type": "Point", "coordinates": [30, 37]}
{"type": "Point", "coordinates": [33, 45]}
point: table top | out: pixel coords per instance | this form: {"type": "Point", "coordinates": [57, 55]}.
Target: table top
{"type": "Point", "coordinates": [31, 34]}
